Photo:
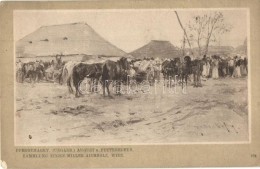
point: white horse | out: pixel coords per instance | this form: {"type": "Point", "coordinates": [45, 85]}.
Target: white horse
{"type": "Point", "coordinates": [67, 70]}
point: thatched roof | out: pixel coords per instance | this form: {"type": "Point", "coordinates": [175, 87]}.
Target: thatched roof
{"type": "Point", "coordinates": [157, 48]}
{"type": "Point", "coordinates": [66, 39]}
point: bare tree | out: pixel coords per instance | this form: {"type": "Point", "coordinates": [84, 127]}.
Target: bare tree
{"type": "Point", "coordinates": [205, 29]}
{"type": "Point", "coordinates": [184, 32]}
{"type": "Point", "coordinates": [197, 29]}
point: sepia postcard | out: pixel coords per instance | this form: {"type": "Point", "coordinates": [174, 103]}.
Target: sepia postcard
{"type": "Point", "coordinates": [129, 84]}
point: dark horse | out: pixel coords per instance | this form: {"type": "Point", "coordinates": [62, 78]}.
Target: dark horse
{"type": "Point", "coordinates": [33, 70]}
{"type": "Point", "coordinates": [197, 68]}
{"type": "Point", "coordinates": [184, 70]}
{"type": "Point", "coordinates": [81, 71]}
{"type": "Point", "coordinates": [170, 69]}
{"type": "Point", "coordinates": [114, 71]}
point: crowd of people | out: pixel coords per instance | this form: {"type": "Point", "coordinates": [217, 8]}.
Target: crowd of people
{"type": "Point", "coordinates": [216, 67]}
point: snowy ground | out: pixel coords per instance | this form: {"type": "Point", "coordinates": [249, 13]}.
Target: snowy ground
{"type": "Point", "coordinates": [48, 115]}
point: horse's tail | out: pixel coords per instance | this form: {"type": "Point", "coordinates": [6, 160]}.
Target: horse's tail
{"type": "Point", "coordinates": [189, 66]}
{"type": "Point", "coordinates": [104, 73]}
{"type": "Point", "coordinates": [64, 74]}
{"type": "Point", "coordinates": [74, 75]}
{"type": "Point", "coordinates": [69, 84]}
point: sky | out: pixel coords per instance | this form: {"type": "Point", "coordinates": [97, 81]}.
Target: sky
{"type": "Point", "coordinates": [130, 29]}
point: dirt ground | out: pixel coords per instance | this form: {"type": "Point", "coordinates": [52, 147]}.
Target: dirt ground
{"type": "Point", "coordinates": [46, 114]}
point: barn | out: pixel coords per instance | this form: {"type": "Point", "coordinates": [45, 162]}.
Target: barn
{"type": "Point", "coordinates": [75, 41]}
{"type": "Point", "coordinates": [157, 49]}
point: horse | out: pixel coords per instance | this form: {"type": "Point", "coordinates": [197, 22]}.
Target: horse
{"type": "Point", "coordinates": [33, 70]}
{"type": "Point", "coordinates": [196, 70]}
{"type": "Point", "coordinates": [184, 70]}
{"type": "Point", "coordinates": [81, 71]}
{"type": "Point", "coordinates": [114, 71]}
{"type": "Point", "coordinates": [97, 76]}
{"type": "Point", "coordinates": [67, 71]}
{"type": "Point", "coordinates": [57, 76]}
{"type": "Point", "coordinates": [170, 69]}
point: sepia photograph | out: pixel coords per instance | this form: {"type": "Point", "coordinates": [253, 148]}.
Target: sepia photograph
{"type": "Point", "coordinates": [131, 76]}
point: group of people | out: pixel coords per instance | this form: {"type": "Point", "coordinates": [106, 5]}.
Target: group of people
{"type": "Point", "coordinates": [216, 67]}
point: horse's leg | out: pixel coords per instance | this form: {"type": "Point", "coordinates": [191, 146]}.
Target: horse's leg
{"type": "Point", "coordinates": [22, 76]}
{"type": "Point", "coordinates": [96, 85]}
{"type": "Point", "coordinates": [77, 91]}
{"type": "Point", "coordinates": [104, 88]}
{"type": "Point", "coordinates": [182, 80]}
{"type": "Point", "coordinates": [76, 94]}
{"type": "Point", "coordinates": [119, 88]}
{"type": "Point", "coordinates": [194, 79]}
{"type": "Point", "coordinates": [107, 86]}
{"type": "Point", "coordinates": [91, 85]}
{"type": "Point", "coordinates": [17, 79]}
{"type": "Point", "coordinates": [170, 82]}
{"type": "Point", "coordinates": [69, 85]}
{"type": "Point", "coordinates": [186, 80]}
{"type": "Point", "coordinates": [199, 80]}
{"type": "Point", "coordinates": [76, 88]}
{"type": "Point", "coordinates": [36, 77]}
{"type": "Point", "coordinates": [60, 79]}
{"type": "Point", "coordinates": [33, 78]}
{"type": "Point", "coordinates": [30, 77]}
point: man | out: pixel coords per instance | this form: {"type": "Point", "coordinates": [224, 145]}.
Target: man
{"type": "Point", "coordinates": [245, 62]}
{"type": "Point", "coordinates": [204, 58]}
{"type": "Point", "coordinates": [237, 72]}
{"type": "Point", "coordinates": [231, 65]}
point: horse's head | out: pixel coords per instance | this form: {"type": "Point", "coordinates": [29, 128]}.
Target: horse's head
{"type": "Point", "coordinates": [187, 59]}
{"type": "Point", "coordinates": [124, 63]}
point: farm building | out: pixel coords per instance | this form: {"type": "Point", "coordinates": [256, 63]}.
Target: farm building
{"type": "Point", "coordinates": [157, 49]}
{"type": "Point", "coordinates": [74, 41]}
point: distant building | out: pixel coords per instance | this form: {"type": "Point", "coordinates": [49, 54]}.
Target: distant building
{"type": "Point", "coordinates": [157, 49]}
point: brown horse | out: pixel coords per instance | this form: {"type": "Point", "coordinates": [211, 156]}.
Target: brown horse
{"type": "Point", "coordinates": [34, 71]}
{"type": "Point", "coordinates": [97, 76]}
{"type": "Point", "coordinates": [184, 70]}
{"type": "Point", "coordinates": [170, 69]}
{"type": "Point", "coordinates": [197, 68]}
{"type": "Point", "coordinates": [114, 71]}
{"type": "Point", "coordinates": [81, 71]}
